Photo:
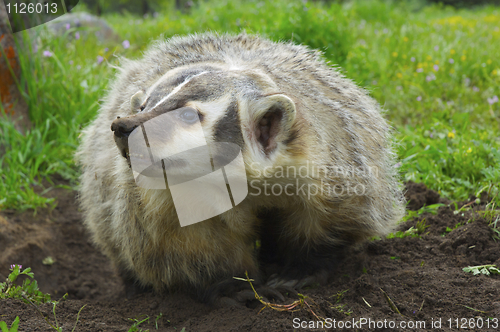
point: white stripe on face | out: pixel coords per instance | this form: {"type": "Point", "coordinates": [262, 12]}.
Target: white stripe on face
{"type": "Point", "coordinates": [175, 90]}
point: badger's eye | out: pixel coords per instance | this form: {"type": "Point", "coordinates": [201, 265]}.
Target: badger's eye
{"type": "Point", "coordinates": [189, 116]}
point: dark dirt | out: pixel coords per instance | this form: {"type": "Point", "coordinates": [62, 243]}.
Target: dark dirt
{"type": "Point", "coordinates": [422, 276]}
{"type": "Point", "coordinates": [418, 195]}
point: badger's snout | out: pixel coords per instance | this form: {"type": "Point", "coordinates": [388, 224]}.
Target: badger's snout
{"type": "Point", "coordinates": [122, 128]}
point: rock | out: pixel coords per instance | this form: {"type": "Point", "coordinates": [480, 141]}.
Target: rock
{"type": "Point", "coordinates": [85, 24]}
{"type": "Point", "coordinates": [13, 103]}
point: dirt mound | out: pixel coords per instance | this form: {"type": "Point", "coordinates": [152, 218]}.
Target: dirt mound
{"type": "Point", "coordinates": [418, 195]}
{"type": "Point", "coordinates": [422, 276]}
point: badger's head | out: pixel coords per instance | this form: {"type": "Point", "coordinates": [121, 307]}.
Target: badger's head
{"type": "Point", "coordinates": [205, 112]}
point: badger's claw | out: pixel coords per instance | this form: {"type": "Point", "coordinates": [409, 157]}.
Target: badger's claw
{"type": "Point", "coordinates": [307, 281]}
{"type": "Point", "coordinates": [265, 292]}
{"type": "Point", "coordinates": [289, 291]}
{"type": "Point", "coordinates": [278, 282]}
{"type": "Point", "coordinates": [248, 295]}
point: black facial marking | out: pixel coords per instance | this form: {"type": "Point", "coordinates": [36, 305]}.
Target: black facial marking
{"type": "Point", "coordinates": [187, 74]}
{"type": "Point", "coordinates": [204, 88]}
{"type": "Point", "coordinates": [228, 128]}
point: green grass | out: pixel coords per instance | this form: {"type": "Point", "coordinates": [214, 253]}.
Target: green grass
{"type": "Point", "coordinates": [62, 97]}
{"type": "Point", "coordinates": [433, 69]}
{"type": "Point", "coordinates": [29, 293]}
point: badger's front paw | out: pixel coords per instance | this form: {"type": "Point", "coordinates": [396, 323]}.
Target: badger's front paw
{"type": "Point", "coordinates": [277, 288]}
{"type": "Point", "coordinates": [131, 286]}
{"type": "Point", "coordinates": [284, 283]}
{"type": "Point", "coordinates": [237, 292]}
{"type": "Point", "coordinates": [249, 297]}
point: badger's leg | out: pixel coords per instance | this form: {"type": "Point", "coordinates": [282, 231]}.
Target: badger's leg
{"type": "Point", "coordinates": [223, 289]}
{"type": "Point", "coordinates": [305, 266]}
{"type": "Point", "coordinates": [131, 284]}
{"type": "Point", "coordinates": [236, 247]}
{"type": "Point", "coordinates": [297, 251]}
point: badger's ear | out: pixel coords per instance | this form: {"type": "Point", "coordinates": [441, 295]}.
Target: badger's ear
{"type": "Point", "coordinates": [136, 100]}
{"type": "Point", "coordinates": [273, 118]}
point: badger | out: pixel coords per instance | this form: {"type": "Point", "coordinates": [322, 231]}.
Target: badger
{"type": "Point", "coordinates": [317, 156]}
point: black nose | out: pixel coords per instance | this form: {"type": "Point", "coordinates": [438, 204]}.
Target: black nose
{"type": "Point", "coordinates": [123, 127]}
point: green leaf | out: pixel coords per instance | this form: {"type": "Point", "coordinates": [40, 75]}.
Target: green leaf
{"type": "Point", "coordinates": [482, 269]}
{"type": "Point", "coordinates": [26, 271]}
{"type": "Point", "coordinates": [485, 271]}
{"type": "Point", "coordinates": [3, 326]}
{"type": "Point", "coordinates": [15, 325]}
